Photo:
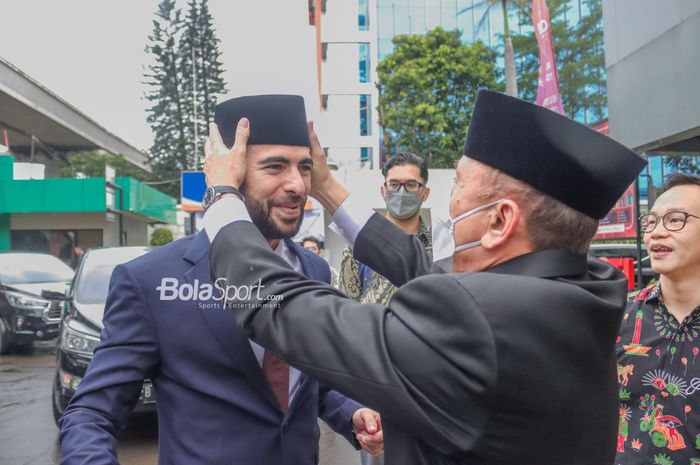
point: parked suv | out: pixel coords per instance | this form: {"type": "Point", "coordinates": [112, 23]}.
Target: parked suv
{"type": "Point", "coordinates": [80, 330]}
{"type": "Point", "coordinates": [26, 316]}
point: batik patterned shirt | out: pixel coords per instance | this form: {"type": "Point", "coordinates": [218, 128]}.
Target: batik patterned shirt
{"type": "Point", "coordinates": [360, 282]}
{"type": "Point", "coordinates": [658, 372]}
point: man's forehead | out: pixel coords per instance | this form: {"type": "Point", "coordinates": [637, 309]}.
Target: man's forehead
{"type": "Point", "coordinates": [685, 197]}
{"type": "Point", "coordinates": [405, 171]}
{"type": "Point", "coordinates": [286, 151]}
{"type": "Point", "coordinates": [469, 168]}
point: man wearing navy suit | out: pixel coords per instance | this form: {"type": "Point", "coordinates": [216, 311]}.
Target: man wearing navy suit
{"type": "Point", "coordinates": [221, 398]}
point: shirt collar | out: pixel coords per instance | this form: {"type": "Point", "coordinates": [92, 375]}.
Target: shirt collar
{"type": "Point", "coordinates": [649, 293]}
{"type": "Point", "coordinates": [289, 256]}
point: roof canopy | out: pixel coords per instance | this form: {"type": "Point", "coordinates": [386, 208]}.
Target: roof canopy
{"type": "Point", "coordinates": [28, 109]}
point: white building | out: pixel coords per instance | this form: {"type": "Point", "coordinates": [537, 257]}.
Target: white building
{"type": "Point", "coordinates": [346, 48]}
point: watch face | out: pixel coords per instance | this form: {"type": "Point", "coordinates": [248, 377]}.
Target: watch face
{"type": "Point", "coordinates": [208, 197]}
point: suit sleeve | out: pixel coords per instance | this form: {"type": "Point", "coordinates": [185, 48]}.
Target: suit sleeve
{"type": "Point", "coordinates": [336, 410]}
{"type": "Point", "coordinates": [407, 361]}
{"type": "Point", "coordinates": [394, 254]}
{"type": "Point", "coordinates": [126, 355]}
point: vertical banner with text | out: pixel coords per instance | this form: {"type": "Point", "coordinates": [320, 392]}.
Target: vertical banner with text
{"type": "Point", "coordinates": [548, 94]}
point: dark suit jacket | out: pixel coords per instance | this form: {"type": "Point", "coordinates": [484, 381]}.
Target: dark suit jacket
{"type": "Point", "coordinates": [214, 404]}
{"type": "Point", "coordinates": [511, 366]}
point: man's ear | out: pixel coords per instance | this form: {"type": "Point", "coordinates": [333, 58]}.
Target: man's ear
{"type": "Point", "coordinates": [426, 194]}
{"type": "Point", "coordinates": [382, 192]}
{"type": "Point", "coordinates": [503, 221]}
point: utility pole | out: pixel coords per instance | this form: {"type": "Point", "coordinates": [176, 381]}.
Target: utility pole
{"type": "Point", "coordinates": [194, 104]}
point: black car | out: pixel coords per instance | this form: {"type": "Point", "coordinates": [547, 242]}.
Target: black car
{"type": "Point", "coordinates": [81, 326]}
{"type": "Point", "coordinates": [613, 250]}
{"type": "Point", "coordinates": [26, 316]}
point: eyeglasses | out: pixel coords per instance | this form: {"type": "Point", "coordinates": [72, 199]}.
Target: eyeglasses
{"type": "Point", "coordinates": [410, 186]}
{"type": "Point", "coordinates": [673, 221]}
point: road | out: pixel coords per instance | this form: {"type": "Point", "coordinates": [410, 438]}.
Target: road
{"type": "Point", "coordinates": [29, 436]}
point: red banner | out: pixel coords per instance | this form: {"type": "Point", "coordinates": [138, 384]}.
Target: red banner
{"type": "Point", "coordinates": [548, 94]}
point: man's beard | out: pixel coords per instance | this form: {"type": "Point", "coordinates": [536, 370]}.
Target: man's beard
{"type": "Point", "coordinates": [260, 212]}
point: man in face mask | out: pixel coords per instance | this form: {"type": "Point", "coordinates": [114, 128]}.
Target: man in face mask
{"type": "Point", "coordinates": [404, 191]}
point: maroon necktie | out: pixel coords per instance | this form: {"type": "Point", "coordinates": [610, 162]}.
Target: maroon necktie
{"type": "Point", "coordinates": [277, 376]}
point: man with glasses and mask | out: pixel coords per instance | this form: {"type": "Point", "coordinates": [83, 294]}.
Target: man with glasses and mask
{"type": "Point", "coordinates": [657, 351]}
{"type": "Point", "coordinates": [511, 359]}
{"type": "Point", "coordinates": [404, 191]}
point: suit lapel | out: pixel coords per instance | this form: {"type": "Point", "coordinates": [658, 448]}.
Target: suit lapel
{"type": "Point", "coordinates": [227, 333]}
{"type": "Point", "coordinates": [309, 269]}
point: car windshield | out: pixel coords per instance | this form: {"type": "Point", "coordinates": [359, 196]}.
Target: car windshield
{"type": "Point", "coordinates": [95, 271]}
{"type": "Point", "coordinates": [30, 268]}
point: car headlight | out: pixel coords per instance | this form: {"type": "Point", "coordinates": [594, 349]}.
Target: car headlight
{"type": "Point", "coordinates": [26, 302]}
{"type": "Point", "coordinates": [77, 342]}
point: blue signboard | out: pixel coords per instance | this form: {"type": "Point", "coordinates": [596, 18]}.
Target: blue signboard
{"type": "Point", "coordinates": [192, 190]}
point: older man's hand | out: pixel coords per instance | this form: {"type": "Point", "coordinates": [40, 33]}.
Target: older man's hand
{"type": "Point", "coordinates": [367, 426]}
{"type": "Point", "coordinates": [324, 186]}
{"type": "Point", "coordinates": [224, 167]}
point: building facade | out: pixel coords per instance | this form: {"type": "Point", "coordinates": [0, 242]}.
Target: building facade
{"type": "Point", "coordinates": [346, 34]}
{"type": "Point", "coordinates": [353, 36]}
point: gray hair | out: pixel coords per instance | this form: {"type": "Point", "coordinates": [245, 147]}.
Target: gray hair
{"type": "Point", "coordinates": [550, 224]}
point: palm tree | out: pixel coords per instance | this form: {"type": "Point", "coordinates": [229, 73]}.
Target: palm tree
{"type": "Point", "coordinates": [511, 81]}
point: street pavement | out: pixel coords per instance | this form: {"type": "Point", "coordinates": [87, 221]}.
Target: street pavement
{"type": "Point", "coordinates": [29, 436]}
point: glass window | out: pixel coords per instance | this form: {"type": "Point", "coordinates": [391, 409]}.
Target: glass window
{"type": "Point", "coordinates": [363, 17]}
{"type": "Point", "coordinates": [364, 62]}
{"type": "Point", "coordinates": [29, 268]}
{"type": "Point", "coordinates": [385, 47]}
{"type": "Point", "coordinates": [366, 157]}
{"type": "Point", "coordinates": [95, 272]}
{"type": "Point", "coordinates": [365, 115]}
{"type": "Point", "coordinates": [464, 13]}
{"type": "Point", "coordinates": [67, 245]}
{"type": "Point", "coordinates": [402, 19]}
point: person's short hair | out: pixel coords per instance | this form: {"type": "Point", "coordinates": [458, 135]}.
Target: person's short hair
{"type": "Point", "coordinates": [407, 158]}
{"type": "Point", "coordinates": [313, 239]}
{"type": "Point", "coordinates": [550, 223]}
{"type": "Point", "coordinates": [680, 179]}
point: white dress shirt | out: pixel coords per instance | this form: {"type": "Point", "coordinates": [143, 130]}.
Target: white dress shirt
{"type": "Point", "coordinates": [227, 210]}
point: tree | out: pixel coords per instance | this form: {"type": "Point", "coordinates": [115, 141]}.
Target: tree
{"type": "Point", "coordinates": [427, 88]}
{"type": "Point", "coordinates": [92, 164]}
{"type": "Point", "coordinates": [168, 153]}
{"type": "Point", "coordinates": [505, 5]}
{"type": "Point", "coordinates": [199, 52]}
{"type": "Point", "coordinates": [180, 98]}
{"type": "Point", "coordinates": [683, 163]}
{"type": "Point", "coordinates": [580, 60]}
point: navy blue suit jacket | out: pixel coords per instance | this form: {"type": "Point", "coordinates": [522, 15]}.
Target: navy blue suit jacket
{"type": "Point", "coordinates": [214, 405]}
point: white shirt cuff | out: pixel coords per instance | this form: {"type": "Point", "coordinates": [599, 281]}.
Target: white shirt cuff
{"type": "Point", "coordinates": [350, 217]}
{"type": "Point", "coordinates": [224, 211]}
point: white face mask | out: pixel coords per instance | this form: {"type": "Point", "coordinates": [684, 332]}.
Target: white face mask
{"type": "Point", "coordinates": [444, 246]}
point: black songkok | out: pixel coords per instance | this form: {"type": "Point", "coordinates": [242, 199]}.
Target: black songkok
{"type": "Point", "coordinates": [274, 119]}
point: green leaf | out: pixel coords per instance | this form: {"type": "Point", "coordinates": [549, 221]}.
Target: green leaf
{"type": "Point", "coordinates": [427, 87]}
